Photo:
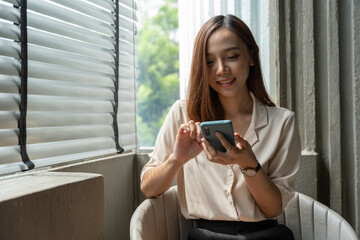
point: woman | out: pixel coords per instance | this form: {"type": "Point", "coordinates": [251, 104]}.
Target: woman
{"type": "Point", "coordinates": [236, 194]}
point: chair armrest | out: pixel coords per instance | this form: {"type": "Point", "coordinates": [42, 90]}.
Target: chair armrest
{"type": "Point", "coordinates": [159, 218]}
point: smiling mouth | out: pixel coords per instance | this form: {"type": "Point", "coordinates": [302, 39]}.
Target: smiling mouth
{"type": "Point", "coordinates": [226, 82]}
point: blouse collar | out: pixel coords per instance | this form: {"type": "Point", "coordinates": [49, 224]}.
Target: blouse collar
{"type": "Point", "coordinates": [259, 119]}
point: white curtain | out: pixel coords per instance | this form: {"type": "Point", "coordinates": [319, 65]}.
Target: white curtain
{"type": "Point", "coordinates": [193, 14]}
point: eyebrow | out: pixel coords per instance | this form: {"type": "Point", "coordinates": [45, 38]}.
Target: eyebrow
{"type": "Point", "coordinates": [231, 48]}
{"type": "Point", "coordinates": [227, 49]}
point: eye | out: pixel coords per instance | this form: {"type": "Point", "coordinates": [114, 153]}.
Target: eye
{"type": "Point", "coordinates": [233, 57]}
{"type": "Point", "coordinates": [209, 62]}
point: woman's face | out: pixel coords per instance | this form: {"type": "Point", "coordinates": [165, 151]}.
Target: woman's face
{"type": "Point", "coordinates": [228, 61]}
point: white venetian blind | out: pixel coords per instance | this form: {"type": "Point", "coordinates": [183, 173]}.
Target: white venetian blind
{"type": "Point", "coordinates": [71, 80]}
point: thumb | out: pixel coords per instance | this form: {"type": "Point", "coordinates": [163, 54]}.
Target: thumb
{"type": "Point", "coordinates": [240, 142]}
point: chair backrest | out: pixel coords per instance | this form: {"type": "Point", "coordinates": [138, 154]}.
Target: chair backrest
{"type": "Point", "coordinates": [160, 219]}
{"type": "Point", "coordinates": [310, 220]}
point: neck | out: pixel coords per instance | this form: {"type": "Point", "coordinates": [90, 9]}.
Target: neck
{"type": "Point", "coordinates": [238, 105]}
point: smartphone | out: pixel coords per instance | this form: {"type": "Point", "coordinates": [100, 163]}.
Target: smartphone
{"type": "Point", "coordinates": [209, 128]}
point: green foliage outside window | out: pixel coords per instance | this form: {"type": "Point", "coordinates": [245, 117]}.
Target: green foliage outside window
{"type": "Point", "coordinates": [158, 69]}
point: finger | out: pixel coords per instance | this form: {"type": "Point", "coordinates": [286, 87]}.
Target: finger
{"type": "Point", "coordinates": [211, 153]}
{"type": "Point", "coordinates": [241, 141]}
{"type": "Point", "coordinates": [198, 130]}
{"type": "Point", "coordinates": [213, 158]}
{"type": "Point", "coordinates": [205, 144]}
{"type": "Point", "coordinates": [208, 147]}
{"type": "Point", "coordinates": [223, 140]}
{"type": "Point", "coordinates": [184, 128]}
{"type": "Point", "coordinates": [237, 139]}
{"type": "Point", "coordinates": [206, 150]}
{"type": "Point", "coordinates": [191, 125]}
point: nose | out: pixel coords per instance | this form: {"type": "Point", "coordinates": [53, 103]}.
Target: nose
{"type": "Point", "coordinates": [221, 68]}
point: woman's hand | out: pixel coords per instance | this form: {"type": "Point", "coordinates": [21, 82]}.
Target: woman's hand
{"type": "Point", "coordinates": [187, 146]}
{"type": "Point", "coordinates": [188, 142]}
{"type": "Point", "coordinates": [240, 154]}
{"type": "Point", "coordinates": [266, 194]}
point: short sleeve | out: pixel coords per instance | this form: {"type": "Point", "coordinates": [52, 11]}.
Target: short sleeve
{"type": "Point", "coordinates": [285, 164]}
{"type": "Point", "coordinates": [165, 140]}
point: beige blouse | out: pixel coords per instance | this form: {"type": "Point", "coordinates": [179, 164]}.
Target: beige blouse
{"type": "Point", "coordinates": [216, 192]}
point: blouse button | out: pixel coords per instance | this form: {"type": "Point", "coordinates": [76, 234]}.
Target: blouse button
{"type": "Point", "coordinates": [229, 172]}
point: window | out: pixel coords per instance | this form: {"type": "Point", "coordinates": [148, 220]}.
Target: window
{"type": "Point", "coordinates": [158, 67]}
{"type": "Point", "coordinates": [80, 80]}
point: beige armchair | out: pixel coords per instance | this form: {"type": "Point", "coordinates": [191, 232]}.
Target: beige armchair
{"type": "Point", "coordinates": [160, 218]}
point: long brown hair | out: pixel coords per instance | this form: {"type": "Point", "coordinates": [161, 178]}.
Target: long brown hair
{"type": "Point", "coordinates": [203, 103]}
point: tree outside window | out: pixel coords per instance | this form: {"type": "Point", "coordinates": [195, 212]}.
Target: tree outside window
{"type": "Point", "coordinates": [158, 69]}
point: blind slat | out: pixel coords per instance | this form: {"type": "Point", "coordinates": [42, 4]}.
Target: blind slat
{"type": "Point", "coordinates": [82, 62]}
{"type": "Point", "coordinates": [88, 9]}
{"type": "Point", "coordinates": [10, 155]}
{"type": "Point", "coordinates": [40, 38]}
{"type": "Point", "coordinates": [9, 137]}
{"type": "Point", "coordinates": [126, 59]}
{"type": "Point", "coordinates": [53, 149]}
{"type": "Point", "coordinates": [126, 12]}
{"type": "Point", "coordinates": [126, 106]}
{"type": "Point", "coordinates": [9, 84]}
{"type": "Point", "coordinates": [47, 24]}
{"type": "Point", "coordinates": [104, 4]}
{"type": "Point", "coordinates": [52, 118]}
{"type": "Point", "coordinates": [50, 71]}
{"type": "Point", "coordinates": [55, 134]}
{"type": "Point", "coordinates": [126, 71]}
{"type": "Point", "coordinates": [71, 157]}
{"type": "Point", "coordinates": [9, 102]}
{"type": "Point", "coordinates": [126, 83]}
{"type": "Point", "coordinates": [9, 14]}
{"type": "Point", "coordinates": [126, 47]}
{"type": "Point", "coordinates": [50, 9]}
{"type": "Point", "coordinates": [9, 66]}
{"type": "Point", "coordinates": [127, 118]}
{"type": "Point", "coordinates": [129, 148]}
{"type": "Point", "coordinates": [126, 35]}
{"type": "Point", "coordinates": [126, 24]}
{"type": "Point", "coordinates": [128, 3]}
{"type": "Point", "coordinates": [9, 31]}
{"type": "Point", "coordinates": [8, 119]}
{"type": "Point", "coordinates": [126, 95]}
{"type": "Point", "coordinates": [127, 139]}
{"type": "Point", "coordinates": [14, 2]}
{"type": "Point", "coordinates": [58, 88]}
{"type": "Point", "coordinates": [49, 103]}
{"type": "Point", "coordinates": [9, 48]}
{"type": "Point", "coordinates": [126, 128]}
{"type": "Point", "coordinates": [54, 72]}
